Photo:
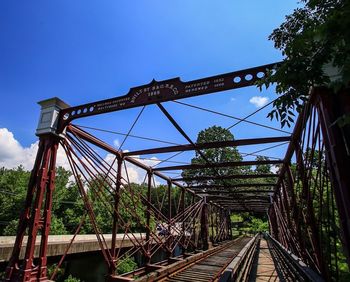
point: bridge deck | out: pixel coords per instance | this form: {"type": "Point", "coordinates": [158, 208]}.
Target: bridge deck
{"type": "Point", "coordinates": [263, 268]}
{"type": "Point", "coordinates": [210, 267]}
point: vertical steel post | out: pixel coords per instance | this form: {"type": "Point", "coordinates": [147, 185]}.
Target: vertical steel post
{"type": "Point", "coordinates": [212, 222]}
{"type": "Point", "coordinates": [148, 218]}
{"type": "Point", "coordinates": [310, 216]}
{"type": "Point", "coordinates": [224, 214]}
{"type": "Point", "coordinates": [224, 218]}
{"type": "Point", "coordinates": [229, 225]}
{"type": "Point", "coordinates": [217, 225]}
{"type": "Point", "coordinates": [295, 213]}
{"type": "Point", "coordinates": [204, 225]}
{"type": "Point", "coordinates": [194, 226]}
{"type": "Point", "coordinates": [182, 200]}
{"type": "Point", "coordinates": [273, 223]}
{"type": "Point", "coordinates": [115, 212]}
{"type": "Point", "coordinates": [36, 215]}
{"type": "Point", "coordinates": [222, 225]}
{"type": "Point", "coordinates": [169, 254]}
{"type": "Point", "coordinates": [286, 204]}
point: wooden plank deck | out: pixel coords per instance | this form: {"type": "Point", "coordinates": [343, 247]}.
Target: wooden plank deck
{"type": "Point", "coordinates": [263, 268]}
{"type": "Point", "coordinates": [209, 268]}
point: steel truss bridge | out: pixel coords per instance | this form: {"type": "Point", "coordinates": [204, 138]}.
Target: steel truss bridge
{"type": "Point", "coordinates": [302, 199]}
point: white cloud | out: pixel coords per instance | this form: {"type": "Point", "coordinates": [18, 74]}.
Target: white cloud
{"type": "Point", "coordinates": [259, 101]}
{"type": "Point", "coordinates": [274, 169]}
{"type": "Point", "coordinates": [116, 143]}
{"type": "Point", "coordinates": [13, 154]}
{"type": "Point", "coordinates": [232, 99]}
{"type": "Point", "coordinates": [134, 173]}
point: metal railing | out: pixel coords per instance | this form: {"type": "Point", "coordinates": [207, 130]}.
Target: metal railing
{"type": "Point", "coordinates": [240, 267]}
{"type": "Point", "coordinates": [289, 265]}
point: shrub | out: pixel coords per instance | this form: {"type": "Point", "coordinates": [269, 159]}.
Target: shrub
{"type": "Point", "coordinates": [125, 265]}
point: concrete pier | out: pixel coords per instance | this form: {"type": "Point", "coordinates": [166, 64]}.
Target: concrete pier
{"type": "Point", "coordinates": [58, 244]}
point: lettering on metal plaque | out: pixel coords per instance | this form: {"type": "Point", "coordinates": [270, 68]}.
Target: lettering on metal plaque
{"type": "Point", "coordinates": [167, 90]}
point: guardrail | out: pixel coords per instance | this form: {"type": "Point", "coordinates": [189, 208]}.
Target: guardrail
{"type": "Point", "coordinates": [288, 264]}
{"type": "Point", "coordinates": [239, 268]}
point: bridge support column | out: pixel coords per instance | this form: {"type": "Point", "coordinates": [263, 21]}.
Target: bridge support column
{"type": "Point", "coordinates": [194, 233]}
{"type": "Point", "coordinates": [169, 253]}
{"type": "Point", "coordinates": [115, 216]}
{"type": "Point", "coordinates": [310, 217]}
{"type": "Point", "coordinates": [217, 230]}
{"type": "Point", "coordinates": [205, 225]}
{"type": "Point", "coordinates": [148, 219]}
{"type": "Point", "coordinates": [229, 225]}
{"type": "Point", "coordinates": [221, 225]}
{"type": "Point", "coordinates": [182, 209]}
{"type": "Point", "coordinates": [36, 216]}
{"type": "Point", "coordinates": [295, 212]}
{"type": "Point", "coordinates": [212, 223]}
{"type": "Point", "coordinates": [272, 223]}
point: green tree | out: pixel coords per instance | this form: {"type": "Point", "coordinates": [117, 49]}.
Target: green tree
{"type": "Point", "coordinates": [313, 38]}
{"type": "Point", "coordinates": [57, 226]}
{"type": "Point", "coordinates": [214, 155]}
{"type": "Point", "coordinates": [259, 225]}
{"type": "Point", "coordinates": [262, 168]}
{"type": "Point", "coordinates": [13, 188]}
{"type": "Point", "coordinates": [125, 265]}
{"type": "Point", "coordinates": [11, 228]}
{"type": "Point", "coordinates": [70, 278]}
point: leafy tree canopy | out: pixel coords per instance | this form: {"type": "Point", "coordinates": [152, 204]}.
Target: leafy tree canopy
{"type": "Point", "coordinates": [68, 206]}
{"type": "Point", "coordinates": [215, 155]}
{"type": "Point", "coordinates": [313, 38]}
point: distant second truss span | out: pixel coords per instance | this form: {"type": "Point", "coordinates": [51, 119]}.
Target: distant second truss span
{"type": "Point", "coordinates": [167, 90]}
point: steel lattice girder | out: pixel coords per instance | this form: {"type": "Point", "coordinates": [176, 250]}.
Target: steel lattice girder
{"type": "Point", "coordinates": [238, 176]}
{"type": "Point", "coordinates": [217, 165]}
{"type": "Point", "coordinates": [209, 145]}
{"type": "Point", "coordinates": [231, 186]}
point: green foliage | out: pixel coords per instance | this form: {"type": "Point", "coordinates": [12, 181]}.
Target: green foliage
{"type": "Point", "coordinates": [325, 212]}
{"type": "Point", "coordinates": [236, 217]}
{"type": "Point", "coordinates": [11, 228]}
{"type": "Point", "coordinates": [13, 187]}
{"type": "Point", "coordinates": [70, 278]}
{"type": "Point", "coordinates": [214, 155]}
{"type": "Point", "coordinates": [57, 226]}
{"type": "Point", "coordinates": [250, 223]}
{"type": "Point", "coordinates": [259, 225]}
{"type": "Point", "coordinates": [68, 206]}
{"type": "Point", "coordinates": [125, 265]}
{"type": "Point", "coordinates": [312, 38]}
{"type": "Point", "coordinates": [59, 274]}
{"type": "Point", "coordinates": [132, 210]}
{"type": "Point", "coordinates": [2, 275]}
{"type": "Point", "coordinates": [262, 168]}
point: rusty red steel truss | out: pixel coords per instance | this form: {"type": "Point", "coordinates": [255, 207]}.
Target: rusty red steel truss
{"type": "Point", "coordinates": [311, 186]}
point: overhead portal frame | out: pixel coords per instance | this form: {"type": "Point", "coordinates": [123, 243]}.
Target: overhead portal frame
{"type": "Point", "coordinates": [201, 206]}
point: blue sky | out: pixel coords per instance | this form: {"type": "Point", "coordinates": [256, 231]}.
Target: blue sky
{"type": "Point", "coordinates": [82, 51]}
